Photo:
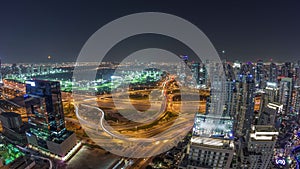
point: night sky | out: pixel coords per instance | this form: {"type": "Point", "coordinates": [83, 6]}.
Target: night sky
{"type": "Point", "coordinates": [247, 30]}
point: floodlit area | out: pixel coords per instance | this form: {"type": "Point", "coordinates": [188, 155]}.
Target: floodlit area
{"type": "Point", "coordinates": [213, 126]}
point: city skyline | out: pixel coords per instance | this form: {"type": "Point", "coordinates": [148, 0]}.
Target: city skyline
{"type": "Point", "coordinates": [259, 115]}
{"type": "Point", "coordinates": [149, 85]}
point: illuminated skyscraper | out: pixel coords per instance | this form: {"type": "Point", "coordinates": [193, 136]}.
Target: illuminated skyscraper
{"type": "Point", "coordinates": [231, 98]}
{"type": "Point", "coordinates": [212, 145]}
{"type": "Point", "coordinates": [45, 115]}
{"type": "Point", "coordinates": [196, 72]}
{"type": "Point", "coordinates": [245, 104]}
{"type": "Point", "coordinates": [286, 70]}
{"type": "Point", "coordinates": [273, 72]}
{"type": "Point", "coordinates": [271, 93]}
{"type": "Point", "coordinates": [260, 74]}
{"type": "Point", "coordinates": [202, 74]}
{"type": "Point", "coordinates": [182, 69]}
{"type": "Point", "coordinates": [285, 93]}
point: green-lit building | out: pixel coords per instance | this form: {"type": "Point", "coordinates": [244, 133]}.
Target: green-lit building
{"type": "Point", "coordinates": [8, 153]}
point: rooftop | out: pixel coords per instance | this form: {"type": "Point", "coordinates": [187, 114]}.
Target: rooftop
{"type": "Point", "coordinates": [212, 142]}
{"type": "Point", "coordinates": [263, 133]}
{"type": "Point", "coordinates": [10, 114]}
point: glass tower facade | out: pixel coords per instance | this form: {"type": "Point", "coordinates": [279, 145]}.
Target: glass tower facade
{"type": "Point", "coordinates": [45, 111]}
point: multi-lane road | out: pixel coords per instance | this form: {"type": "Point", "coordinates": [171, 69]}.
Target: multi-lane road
{"type": "Point", "coordinates": [152, 139]}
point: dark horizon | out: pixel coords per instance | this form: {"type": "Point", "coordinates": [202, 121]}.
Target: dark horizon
{"type": "Point", "coordinates": [31, 31]}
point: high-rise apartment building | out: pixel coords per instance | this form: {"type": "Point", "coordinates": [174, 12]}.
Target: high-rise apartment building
{"type": "Point", "coordinates": [258, 149]}
{"type": "Point", "coordinates": [273, 72]}
{"type": "Point", "coordinates": [212, 145]}
{"type": "Point", "coordinates": [204, 153]}
{"type": "Point", "coordinates": [195, 68]}
{"type": "Point", "coordinates": [260, 74]}
{"type": "Point", "coordinates": [271, 93]}
{"type": "Point", "coordinates": [285, 93]}
{"type": "Point", "coordinates": [245, 104]}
